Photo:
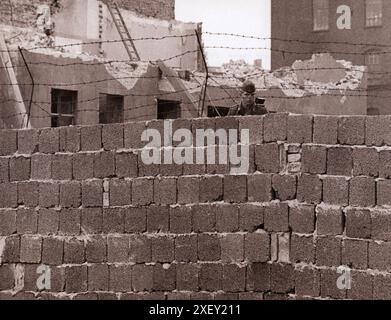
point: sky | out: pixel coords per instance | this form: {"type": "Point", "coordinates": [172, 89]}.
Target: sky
{"type": "Point", "coordinates": [245, 17]}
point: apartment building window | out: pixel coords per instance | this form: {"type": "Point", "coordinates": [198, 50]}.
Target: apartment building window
{"type": "Point", "coordinates": [374, 13]}
{"type": "Point", "coordinates": [111, 108]}
{"type": "Point", "coordinates": [321, 15]}
{"type": "Point", "coordinates": [373, 60]}
{"type": "Point", "coordinates": [64, 104]}
{"type": "Point", "coordinates": [168, 109]}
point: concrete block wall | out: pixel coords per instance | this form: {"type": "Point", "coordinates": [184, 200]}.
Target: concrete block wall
{"type": "Point", "coordinates": [80, 201]}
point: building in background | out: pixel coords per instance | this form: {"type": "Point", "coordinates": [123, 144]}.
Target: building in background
{"type": "Point", "coordinates": [303, 27]}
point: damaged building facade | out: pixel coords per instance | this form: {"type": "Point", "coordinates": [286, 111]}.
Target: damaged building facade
{"type": "Point", "coordinates": [355, 31]}
{"type": "Point", "coordinates": [66, 62]}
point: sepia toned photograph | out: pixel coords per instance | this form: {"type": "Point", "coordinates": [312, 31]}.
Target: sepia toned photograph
{"type": "Point", "coordinates": [213, 151]}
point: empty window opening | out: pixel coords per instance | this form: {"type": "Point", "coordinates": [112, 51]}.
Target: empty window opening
{"type": "Point", "coordinates": [214, 112]}
{"type": "Point", "coordinates": [374, 13]}
{"type": "Point", "coordinates": [64, 103]}
{"type": "Point", "coordinates": [168, 109]}
{"type": "Point", "coordinates": [111, 108]}
{"type": "Point", "coordinates": [321, 15]}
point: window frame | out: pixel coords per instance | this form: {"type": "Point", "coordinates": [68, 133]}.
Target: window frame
{"type": "Point", "coordinates": [58, 115]}
{"type": "Point", "coordinates": [368, 19]}
{"type": "Point", "coordinates": [320, 27]}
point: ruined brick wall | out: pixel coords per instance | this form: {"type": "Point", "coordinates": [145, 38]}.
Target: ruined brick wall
{"type": "Point", "coordinates": [161, 9]}
{"type": "Point", "coordinates": [80, 201]}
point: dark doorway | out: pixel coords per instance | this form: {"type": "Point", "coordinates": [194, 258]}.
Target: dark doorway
{"type": "Point", "coordinates": [214, 112]}
{"type": "Point", "coordinates": [168, 109]}
{"type": "Point", "coordinates": [111, 108]}
{"type": "Point", "coordinates": [64, 104]}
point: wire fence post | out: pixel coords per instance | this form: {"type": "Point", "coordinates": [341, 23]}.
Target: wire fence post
{"type": "Point", "coordinates": [203, 92]}
{"type": "Point", "coordinates": [32, 87]}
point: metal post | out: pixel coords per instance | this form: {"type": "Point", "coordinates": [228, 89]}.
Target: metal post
{"type": "Point", "coordinates": [203, 93]}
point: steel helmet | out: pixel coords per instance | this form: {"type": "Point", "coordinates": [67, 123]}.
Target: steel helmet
{"type": "Point", "coordinates": [248, 86]}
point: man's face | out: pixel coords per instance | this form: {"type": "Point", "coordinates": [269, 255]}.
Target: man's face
{"type": "Point", "coordinates": [248, 99]}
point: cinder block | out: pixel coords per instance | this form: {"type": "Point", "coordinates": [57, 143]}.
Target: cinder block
{"type": "Point", "coordinates": [28, 194]}
{"type": "Point", "coordinates": [284, 187]}
{"type": "Point", "coordinates": [314, 159]}
{"type": "Point", "coordinates": [380, 225]}
{"type": "Point", "coordinates": [362, 192]}
{"type": "Point", "coordinates": [180, 124]}
{"type": "Point", "coordinates": [49, 140]}
{"type": "Point", "coordinates": [132, 135]}
{"type": "Point", "coordinates": [69, 139]}
{"type": "Point", "coordinates": [257, 247]}
{"type": "Point", "coordinates": [366, 162]}
{"type": "Point", "coordinates": [259, 187]}
{"type": "Point", "coordinates": [70, 194]}
{"type": "Point", "coordinates": [188, 190]}
{"type": "Point", "coordinates": [340, 161]}
{"type": "Point", "coordinates": [11, 250]}
{"type": "Point", "coordinates": [98, 277]}
{"type": "Point", "coordinates": [8, 195]}
{"type": "Point", "coordinates": [76, 279]}
{"type": "Point", "coordinates": [4, 170]}
{"type": "Point", "coordinates": [8, 142]}
{"type": "Point", "coordinates": [379, 256]}
{"type": "Point", "coordinates": [361, 286]}
{"type": "Point", "coordinates": [258, 277]}
{"type": "Point", "coordinates": [30, 249]}
{"type": "Point", "coordinates": [250, 296]}
{"type": "Point", "coordinates": [52, 251]}
{"type": "Point", "coordinates": [328, 252]}
{"type": "Point", "coordinates": [351, 130]}
{"type": "Point", "coordinates": [91, 138]}
{"type": "Point", "coordinates": [140, 249]}
{"type": "Point", "coordinates": [142, 278]}
{"type": "Point", "coordinates": [186, 248]}
{"type": "Point", "coordinates": [267, 158]}
{"type": "Point", "coordinates": [227, 218]}
{"type": "Point", "coordinates": [117, 249]}
{"type": "Point", "coordinates": [355, 254]}
{"type": "Point", "coordinates": [282, 278]}
{"type": "Point", "coordinates": [142, 191]}
{"type": "Point", "coordinates": [49, 194]}
{"type": "Point", "coordinates": [74, 251]}
{"type": "Point", "coordinates": [211, 189]}
{"type": "Point", "coordinates": [92, 220]}
{"type": "Point", "coordinates": [382, 287]}
{"type": "Point", "coordinates": [251, 217]}
{"type": "Point", "coordinates": [302, 218]}
{"type": "Point", "coordinates": [26, 221]}
{"type": "Point", "coordinates": [378, 131]}
{"type": "Point", "coordinates": [164, 277]}
{"type": "Point", "coordinates": [385, 164]}
{"type": "Point", "coordinates": [104, 164]}
{"type": "Point", "coordinates": [19, 169]}
{"type": "Point", "coordinates": [147, 170]}
{"type": "Point", "coordinates": [358, 224]}
{"type": "Point", "coordinates": [92, 193]}
{"type": "Point", "coordinates": [7, 279]}
{"type": "Point", "coordinates": [62, 167]}
{"type": "Point", "coordinates": [7, 222]}
{"type": "Point", "coordinates": [234, 278]}
{"type": "Point", "coordinates": [165, 191]}
{"type": "Point", "coordinates": [41, 167]}
{"type": "Point", "coordinates": [28, 141]}
{"type": "Point", "coordinates": [276, 217]}
{"type": "Point", "coordinates": [126, 165]}
{"type": "Point", "coordinates": [383, 193]}
{"type": "Point", "coordinates": [336, 191]}
{"type": "Point", "coordinates": [235, 188]}
{"type": "Point", "coordinates": [158, 219]}
{"type": "Point", "coordinates": [113, 136]}
{"type": "Point", "coordinates": [181, 220]}
{"type": "Point", "coordinates": [232, 248]}
{"type": "Point", "coordinates": [163, 249]}
{"type": "Point", "coordinates": [325, 129]}
{"type": "Point", "coordinates": [329, 221]}
{"type": "Point", "coordinates": [204, 218]}
{"type": "Point", "coordinates": [135, 220]}
{"type": "Point", "coordinates": [255, 127]}
{"type": "Point", "coordinates": [300, 128]}
{"type": "Point", "coordinates": [309, 189]}
{"type": "Point", "coordinates": [302, 249]}
{"type": "Point", "coordinates": [120, 192]}
{"type": "Point", "coordinates": [307, 282]}
{"type": "Point", "coordinates": [328, 285]}
{"type": "Point", "coordinates": [275, 127]}
{"type": "Point", "coordinates": [83, 166]}
{"type": "Point", "coordinates": [202, 124]}
{"type": "Point", "coordinates": [211, 277]}
{"type": "Point", "coordinates": [113, 220]}
{"type": "Point", "coordinates": [187, 277]}
{"type": "Point", "coordinates": [209, 248]}
{"type": "Point", "coordinates": [70, 222]}
{"type": "Point", "coordinates": [48, 221]}
{"type": "Point", "coordinates": [96, 251]}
